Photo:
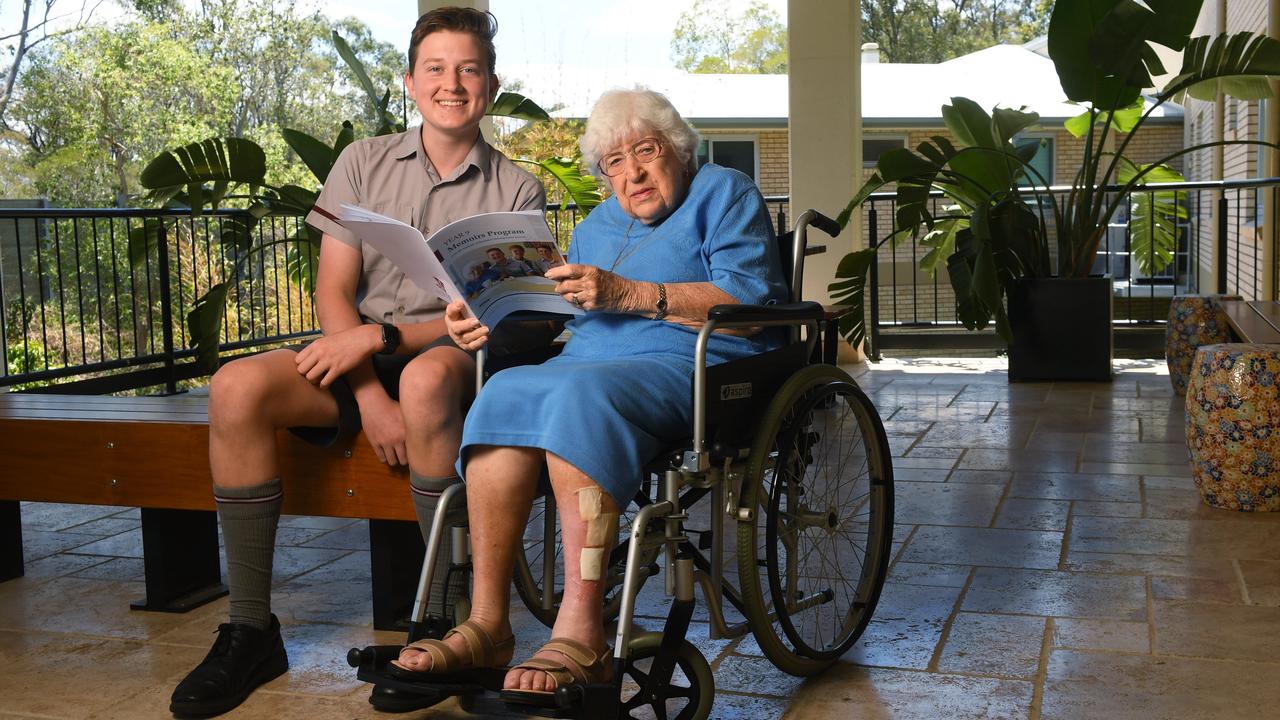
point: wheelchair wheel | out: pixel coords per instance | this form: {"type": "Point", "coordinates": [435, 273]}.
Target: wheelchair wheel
{"type": "Point", "coordinates": [820, 483]}
{"type": "Point", "coordinates": [531, 568]}
{"type": "Point", "coordinates": [689, 694]}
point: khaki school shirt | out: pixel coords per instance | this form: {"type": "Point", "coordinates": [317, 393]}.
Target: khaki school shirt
{"type": "Point", "coordinates": [391, 175]}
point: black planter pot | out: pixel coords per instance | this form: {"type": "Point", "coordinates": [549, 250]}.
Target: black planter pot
{"type": "Point", "coordinates": [1061, 329]}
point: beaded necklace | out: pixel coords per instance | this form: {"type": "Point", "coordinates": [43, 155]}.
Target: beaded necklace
{"type": "Point", "coordinates": [627, 249]}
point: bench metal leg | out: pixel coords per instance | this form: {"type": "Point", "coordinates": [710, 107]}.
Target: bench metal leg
{"type": "Point", "coordinates": [10, 540]}
{"type": "Point", "coordinates": [180, 555]}
{"type": "Point", "coordinates": [395, 560]}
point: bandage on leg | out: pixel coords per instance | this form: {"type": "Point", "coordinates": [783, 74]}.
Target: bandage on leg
{"type": "Point", "coordinates": [602, 531]}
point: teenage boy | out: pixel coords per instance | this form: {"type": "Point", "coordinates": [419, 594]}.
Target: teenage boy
{"type": "Point", "coordinates": [384, 361]}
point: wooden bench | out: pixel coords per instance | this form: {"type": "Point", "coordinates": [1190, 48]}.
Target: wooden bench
{"type": "Point", "coordinates": [1254, 321]}
{"type": "Point", "coordinates": [153, 453]}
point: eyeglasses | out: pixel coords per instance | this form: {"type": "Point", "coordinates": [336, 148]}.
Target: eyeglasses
{"type": "Point", "coordinates": [645, 150]}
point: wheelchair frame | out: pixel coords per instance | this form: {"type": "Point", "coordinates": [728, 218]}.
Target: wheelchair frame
{"type": "Point", "coordinates": [660, 524]}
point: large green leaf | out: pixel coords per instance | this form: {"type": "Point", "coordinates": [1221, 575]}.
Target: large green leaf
{"type": "Point", "coordinates": [143, 240]}
{"type": "Point", "coordinates": [1154, 215]}
{"type": "Point", "coordinates": [515, 105]}
{"type": "Point", "coordinates": [357, 68]}
{"type": "Point", "coordinates": [302, 258]}
{"type": "Point", "coordinates": [941, 240]}
{"type": "Point", "coordinates": [317, 156]}
{"type": "Point", "coordinates": [180, 173]}
{"type": "Point", "coordinates": [1237, 65]}
{"type": "Point", "coordinates": [849, 289]}
{"type": "Point", "coordinates": [1124, 119]}
{"type": "Point", "coordinates": [582, 189]}
{"type": "Point", "coordinates": [1072, 27]}
{"type": "Point", "coordinates": [228, 159]}
{"type": "Point", "coordinates": [204, 325]}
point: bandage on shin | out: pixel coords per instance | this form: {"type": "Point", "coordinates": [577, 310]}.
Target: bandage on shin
{"type": "Point", "coordinates": [602, 531]}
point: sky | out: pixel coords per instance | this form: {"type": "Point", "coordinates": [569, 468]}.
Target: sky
{"type": "Point", "coordinates": [606, 37]}
{"type": "Point", "coordinates": [563, 52]}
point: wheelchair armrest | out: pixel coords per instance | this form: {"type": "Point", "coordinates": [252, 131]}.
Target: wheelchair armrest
{"type": "Point", "coordinates": [798, 312]}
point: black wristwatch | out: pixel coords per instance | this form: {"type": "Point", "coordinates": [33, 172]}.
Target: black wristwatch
{"type": "Point", "coordinates": [390, 339]}
{"type": "Point", "coordinates": [661, 307]}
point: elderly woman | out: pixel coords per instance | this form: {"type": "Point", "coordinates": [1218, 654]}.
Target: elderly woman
{"type": "Point", "coordinates": [672, 241]}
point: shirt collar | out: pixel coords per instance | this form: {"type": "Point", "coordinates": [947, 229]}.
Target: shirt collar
{"type": "Point", "coordinates": [480, 154]}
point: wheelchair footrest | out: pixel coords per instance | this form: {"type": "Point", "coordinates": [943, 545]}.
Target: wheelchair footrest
{"type": "Point", "coordinates": [372, 663]}
{"type": "Point", "coordinates": [578, 701]}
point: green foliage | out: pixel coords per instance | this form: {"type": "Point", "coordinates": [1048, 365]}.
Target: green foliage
{"type": "Point", "coordinates": [708, 39]}
{"type": "Point", "coordinates": [1103, 55]}
{"type": "Point", "coordinates": [926, 31]}
{"type": "Point", "coordinates": [92, 108]}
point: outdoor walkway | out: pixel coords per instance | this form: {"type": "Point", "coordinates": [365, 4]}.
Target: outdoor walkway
{"type": "Point", "coordinates": [1053, 561]}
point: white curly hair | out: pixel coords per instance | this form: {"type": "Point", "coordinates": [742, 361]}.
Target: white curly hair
{"type": "Point", "coordinates": [621, 113]}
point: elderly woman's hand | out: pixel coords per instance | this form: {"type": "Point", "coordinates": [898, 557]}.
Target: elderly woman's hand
{"type": "Point", "coordinates": [464, 330]}
{"type": "Point", "coordinates": [591, 288]}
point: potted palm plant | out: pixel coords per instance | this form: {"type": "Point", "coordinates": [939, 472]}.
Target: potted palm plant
{"type": "Point", "coordinates": [1011, 248]}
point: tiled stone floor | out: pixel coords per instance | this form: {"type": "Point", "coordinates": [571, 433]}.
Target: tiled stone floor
{"type": "Point", "coordinates": [1052, 561]}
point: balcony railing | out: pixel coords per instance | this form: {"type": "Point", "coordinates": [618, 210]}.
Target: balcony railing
{"type": "Point", "coordinates": [77, 315]}
{"type": "Point", "coordinates": [911, 309]}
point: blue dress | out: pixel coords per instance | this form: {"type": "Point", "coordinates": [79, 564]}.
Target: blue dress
{"type": "Point", "coordinates": [619, 393]}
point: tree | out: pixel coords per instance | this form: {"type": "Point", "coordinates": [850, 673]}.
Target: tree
{"type": "Point", "coordinates": [97, 105]}
{"type": "Point", "coordinates": [707, 39]}
{"type": "Point", "coordinates": [40, 24]}
{"type": "Point", "coordinates": [92, 108]}
{"type": "Point", "coordinates": [932, 31]}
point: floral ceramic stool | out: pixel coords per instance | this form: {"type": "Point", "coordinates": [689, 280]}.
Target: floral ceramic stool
{"type": "Point", "coordinates": [1233, 426]}
{"type": "Point", "coordinates": [1194, 320]}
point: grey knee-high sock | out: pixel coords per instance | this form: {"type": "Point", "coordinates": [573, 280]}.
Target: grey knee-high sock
{"type": "Point", "coordinates": [249, 516]}
{"type": "Point", "coordinates": [426, 496]}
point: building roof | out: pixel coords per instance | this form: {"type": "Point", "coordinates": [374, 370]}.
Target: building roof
{"type": "Point", "coordinates": [893, 94]}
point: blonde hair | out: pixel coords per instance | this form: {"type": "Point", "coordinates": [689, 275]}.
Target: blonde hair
{"type": "Point", "coordinates": [621, 113]}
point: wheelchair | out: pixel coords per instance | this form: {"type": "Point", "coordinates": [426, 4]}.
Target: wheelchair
{"type": "Point", "coordinates": [793, 465]}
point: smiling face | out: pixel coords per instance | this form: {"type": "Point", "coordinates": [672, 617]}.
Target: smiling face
{"type": "Point", "coordinates": [451, 83]}
{"type": "Point", "coordinates": [545, 253]}
{"type": "Point", "coordinates": [496, 256]}
{"type": "Point", "coordinates": [517, 252]}
{"type": "Point", "coordinates": [649, 191]}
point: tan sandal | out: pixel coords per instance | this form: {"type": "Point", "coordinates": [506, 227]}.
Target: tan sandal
{"type": "Point", "coordinates": [445, 663]}
{"type": "Point", "coordinates": [593, 668]}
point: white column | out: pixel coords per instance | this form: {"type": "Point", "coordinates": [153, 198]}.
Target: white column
{"type": "Point", "coordinates": [825, 124]}
{"type": "Point", "coordinates": [1270, 168]}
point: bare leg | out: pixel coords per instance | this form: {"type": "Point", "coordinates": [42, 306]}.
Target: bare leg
{"type": "Point", "coordinates": [582, 609]}
{"type": "Point", "coordinates": [251, 398]}
{"type": "Point", "coordinates": [433, 388]}
{"type": "Point", "coordinates": [501, 482]}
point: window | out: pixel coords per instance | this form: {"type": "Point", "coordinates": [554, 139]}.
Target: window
{"type": "Point", "coordinates": [735, 152]}
{"type": "Point", "coordinates": [1042, 161]}
{"type": "Point", "coordinates": [874, 146]}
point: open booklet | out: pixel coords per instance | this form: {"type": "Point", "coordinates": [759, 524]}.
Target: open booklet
{"type": "Point", "coordinates": [493, 262]}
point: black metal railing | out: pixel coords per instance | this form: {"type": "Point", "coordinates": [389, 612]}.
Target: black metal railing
{"type": "Point", "coordinates": [77, 314]}
{"type": "Point", "coordinates": [908, 308]}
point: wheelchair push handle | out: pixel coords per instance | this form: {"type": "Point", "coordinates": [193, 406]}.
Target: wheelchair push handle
{"type": "Point", "coordinates": [816, 219]}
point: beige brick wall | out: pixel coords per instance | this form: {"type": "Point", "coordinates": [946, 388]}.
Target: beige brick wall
{"type": "Point", "coordinates": [1240, 121]}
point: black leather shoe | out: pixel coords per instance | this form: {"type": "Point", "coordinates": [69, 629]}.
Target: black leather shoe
{"type": "Point", "coordinates": [242, 658]}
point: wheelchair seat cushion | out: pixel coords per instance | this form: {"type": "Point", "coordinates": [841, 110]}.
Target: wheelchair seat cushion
{"type": "Point", "coordinates": [606, 417]}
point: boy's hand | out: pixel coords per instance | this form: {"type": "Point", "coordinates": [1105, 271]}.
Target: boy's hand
{"type": "Point", "coordinates": [384, 427]}
{"type": "Point", "coordinates": [465, 331]}
{"type": "Point", "coordinates": [332, 356]}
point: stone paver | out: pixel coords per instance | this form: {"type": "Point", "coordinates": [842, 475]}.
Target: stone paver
{"type": "Point", "coordinates": [1051, 559]}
